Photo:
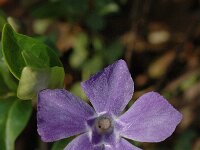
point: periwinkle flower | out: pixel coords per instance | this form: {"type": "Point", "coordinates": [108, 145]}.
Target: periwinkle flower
{"type": "Point", "coordinates": [150, 119]}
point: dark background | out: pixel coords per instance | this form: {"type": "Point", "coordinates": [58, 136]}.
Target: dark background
{"type": "Point", "coordinates": [159, 40]}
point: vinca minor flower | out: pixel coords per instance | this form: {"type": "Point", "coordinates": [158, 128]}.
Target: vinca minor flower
{"type": "Point", "coordinates": [61, 114]}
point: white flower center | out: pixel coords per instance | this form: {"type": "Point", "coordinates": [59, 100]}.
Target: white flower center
{"type": "Point", "coordinates": [103, 124]}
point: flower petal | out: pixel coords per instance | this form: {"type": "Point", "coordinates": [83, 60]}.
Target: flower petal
{"type": "Point", "coordinates": [150, 119]}
{"type": "Point", "coordinates": [82, 142]}
{"type": "Point", "coordinates": [111, 89]}
{"type": "Point", "coordinates": [61, 114]}
{"type": "Point", "coordinates": [123, 145]}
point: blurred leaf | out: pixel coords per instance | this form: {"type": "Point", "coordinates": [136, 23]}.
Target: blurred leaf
{"type": "Point", "coordinates": [185, 140]}
{"type": "Point", "coordinates": [80, 52]}
{"type": "Point", "coordinates": [2, 20]}
{"type": "Point", "coordinates": [14, 115]}
{"type": "Point", "coordinates": [49, 9]}
{"type": "Point", "coordinates": [1, 54]}
{"type": "Point", "coordinates": [92, 66]}
{"type": "Point", "coordinates": [41, 25]}
{"type": "Point", "coordinates": [105, 7]}
{"type": "Point", "coordinates": [16, 47]}
{"type": "Point", "coordinates": [57, 75]}
{"type": "Point", "coordinates": [192, 80]}
{"type": "Point", "coordinates": [113, 52]}
{"type": "Point", "coordinates": [95, 21]}
{"type": "Point", "coordinates": [76, 89]}
{"type": "Point", "coordinates": [61, 144]}
{"type": "Point", "coordinates": [97, 43]}
{"type": "Point", "coordinates": [60, 8]}
{"type": "Point", "coordinates": [35, 79]}
{"type": "Point", "coordinates": [109, 8]}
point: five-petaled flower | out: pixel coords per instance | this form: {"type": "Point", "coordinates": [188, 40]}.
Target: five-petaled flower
{"type": "Point", "coordinates": [150, 119]}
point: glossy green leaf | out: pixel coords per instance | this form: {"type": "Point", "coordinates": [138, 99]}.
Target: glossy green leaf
{"type": "Point", "coordinates": [34, 61]}
{"type": "Point", "coordinates": [4, 109]}
{"type": "Point", "coordinates": [14, 116]}
{"type": "Point", "coordinates": [19, 50]}
{"type": "Point", "coordinates": [3, 87]}
{"type": "Point", "coordinates": [60, 145]}
{"type": "Point", "coordinates": [35, 79]}
{"type": "Point", "coordinates": [7, 81]}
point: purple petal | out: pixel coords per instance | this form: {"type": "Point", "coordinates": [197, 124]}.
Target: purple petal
{"type": "Point", "coordinates": [150, 119]}
{"type": "Point", "coordinates": [123, 145]}
{"type": "Point", "coordinates": [61, 114]}
{"type": "Point", "coordinates": [111, 89]}
{"type": "Point", "coordinates": [82, 142]}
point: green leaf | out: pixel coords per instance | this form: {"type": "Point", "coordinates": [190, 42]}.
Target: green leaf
{"type": "Point", "coordinates": [35, 79]}
{"type": "Point", "coordinates": [80, 52]}
{"type": "Point", "coordinates": [109, 8]}
{"type": "Point", "coordinates": [3, 87]}
{"type": "Point", "coordinates": [185, 140]}
{"type": "Point", "coordinates": [1, 54]}
{"type": "Point", "coordinates": [76, 89]}
{"type": "Point", "coordinates": [61, 8]}
{"type": "Point", "coordinates": [56, 80]}
{"type": "Point", "coordinates": [34, 61]}
{"type": "Point", "coordinates": [7, 77]}
{"type": "Point", "coordinates": [32, 80]}
{"type": "Point", "coordinates": [20, 50]}
{"type": "Point", "coordinates": [92, 66]}
{"type": "Point", "coordinates": [113, 52]}
{"type": "Point", "coordinates": [97, 43]}
{"type": "Point", "coordinates": [7, 81]}
{"type": "Point", "coordinates": [95, 21]}
{"type": "Point", "coordinates": [61, 144]}
{"type": "Point", "coordinates": [14, 116]}
{"type": "Point", "coordinates": [4, 109]}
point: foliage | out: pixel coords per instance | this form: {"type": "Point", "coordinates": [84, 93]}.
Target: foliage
{"type": "Point", "coordinates": [35, 67]}
{"type": "Point", "coordinates": [14, 115]}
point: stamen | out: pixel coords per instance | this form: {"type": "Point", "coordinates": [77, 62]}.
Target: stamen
{"type": "Point", "coordinates": [103, 124]}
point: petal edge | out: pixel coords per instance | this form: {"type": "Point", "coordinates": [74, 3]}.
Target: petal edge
{"type": "Point", "coordinates": [111, 89]}
{"type": "Point", "coordinates": [61, 114]}
{"type": "Point", "coordinates": [150, 119]}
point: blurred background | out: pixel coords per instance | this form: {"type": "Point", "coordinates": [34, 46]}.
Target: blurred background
{"type": "Point", "coordinates": [159, 40]}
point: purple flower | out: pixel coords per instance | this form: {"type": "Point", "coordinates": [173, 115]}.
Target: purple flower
{"type": "Point", "coordinates": [150, 119]}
